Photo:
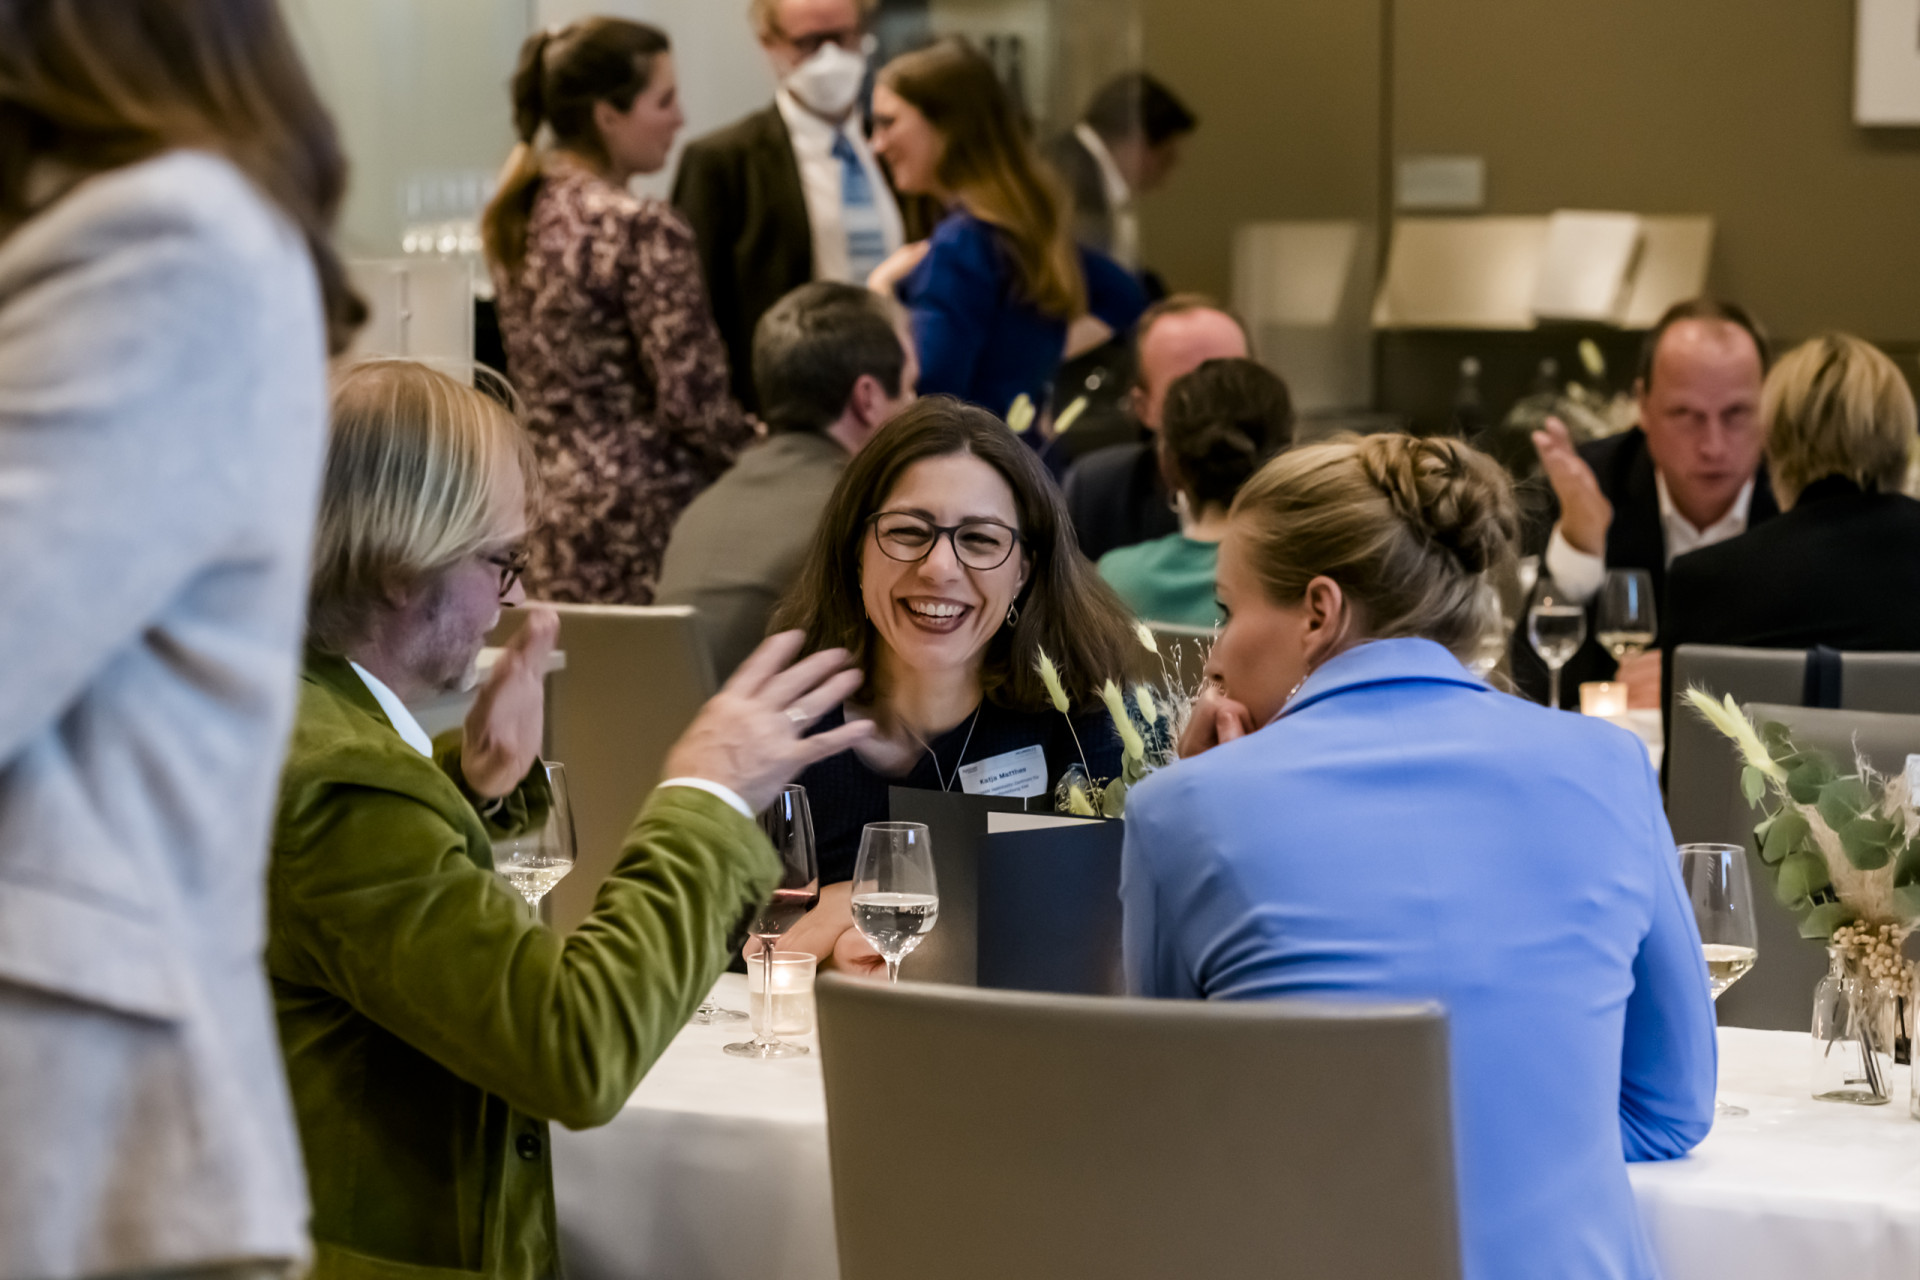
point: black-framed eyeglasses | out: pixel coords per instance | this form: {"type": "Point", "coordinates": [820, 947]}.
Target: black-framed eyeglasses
{"type": "Point", "coordinates": [511, 565]}
{"type": "Point", "coordinates": [977, 544]}
{"type": "Point", "coordinates": [852, 39]}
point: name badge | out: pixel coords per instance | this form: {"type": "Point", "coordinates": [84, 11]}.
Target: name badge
{"type": "Point", "coordinates": [1017, 773]}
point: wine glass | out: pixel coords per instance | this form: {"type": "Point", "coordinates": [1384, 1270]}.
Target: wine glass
{"type": "Point", "coordinates": [1556, 627]}
{"type": "Point", "coordinates": [895, 898]}
{"type": "Point", "coordinates": [539, 859]}
{"type": "Point", "coordinates": [1717, 884]}
{"type": "Point", "coordinates": [789, 825]}
{"type": "Point", "coordinates": [1625, 624]}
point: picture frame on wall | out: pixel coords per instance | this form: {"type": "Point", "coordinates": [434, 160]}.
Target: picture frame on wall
{"type": "Point", "coordinates": [1887, 63]}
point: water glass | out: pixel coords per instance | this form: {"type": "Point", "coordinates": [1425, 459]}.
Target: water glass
{"type": "Point", "coordinates": [895, 897]}
{"type": "Point", "coordinates": [539, 859]}
{"type": "Point", "coordinates": [1556, 628]}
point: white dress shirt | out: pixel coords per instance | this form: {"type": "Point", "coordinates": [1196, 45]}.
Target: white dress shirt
{"type": "Point", "coordinates": [1126, 221]}
{"type": "Point", "coordinates": [820, 182]}
{"type": "Point", "coordinates": [1581, 575]}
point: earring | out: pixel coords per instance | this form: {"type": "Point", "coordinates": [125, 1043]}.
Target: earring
{"type": "Point", "coordinates": [1013, 614]}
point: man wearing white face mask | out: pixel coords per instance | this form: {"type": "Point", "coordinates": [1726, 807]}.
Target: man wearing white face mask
{"type": "Point", "coordinates": [792, 193]}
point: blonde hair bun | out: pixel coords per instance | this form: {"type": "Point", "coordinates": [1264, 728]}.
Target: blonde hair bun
{"type": "Point", "coordinates": [1447, 492]}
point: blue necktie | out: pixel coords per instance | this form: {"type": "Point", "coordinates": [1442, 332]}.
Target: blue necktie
{"type": "Point", "coordinates": [859, 213]}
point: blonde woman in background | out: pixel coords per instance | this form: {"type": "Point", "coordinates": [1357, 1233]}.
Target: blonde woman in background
{"type": "Point", "coordinates": [610, 339]}
{"type": "Point", "coordinates": [1841, 565]}
{"type": "Point", "coordinates": [1359, 817]}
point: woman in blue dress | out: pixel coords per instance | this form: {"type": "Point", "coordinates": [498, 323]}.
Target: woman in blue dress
{"type": "Point", "coordinates": [1359, 817]}
{"type": "Point", "coordinates": [1000, 294]}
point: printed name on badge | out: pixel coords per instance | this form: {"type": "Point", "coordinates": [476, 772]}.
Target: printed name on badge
{"type": "Point", "coordinates": [1017, 773]}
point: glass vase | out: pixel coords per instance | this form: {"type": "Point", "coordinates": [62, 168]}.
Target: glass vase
{"type": "Point", "coordinates": [1853, 1034]}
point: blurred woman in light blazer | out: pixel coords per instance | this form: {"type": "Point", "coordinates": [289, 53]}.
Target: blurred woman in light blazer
{"type": "Point", "coordinates": [1359, 817]}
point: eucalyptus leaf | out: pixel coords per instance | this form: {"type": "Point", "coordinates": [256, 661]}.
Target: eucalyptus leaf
{"type": "Point", "coordinates": [1806, 776]}
{"type": "Point", "coordinates": [1801, 876]}
{"type": "Point", "coordinates": [1753, 785]}
{"type": "Point", "coordinates": [1113, 800]}
{"type": "Point", "coordinates": [1779, 739]}
{"type": "Point", "coordinates": [1907, 870]}
{"type": "Point", "coordinates": [1906, 899]}
{"type": "Point", "coordinates": [1843, 800]}
{"type": "Point", "coordinates": [1788, 831]}
{"type": "Point", "coordinates": [1869, 843]}
{"type": "Point", "coordinates": [1823, 920]}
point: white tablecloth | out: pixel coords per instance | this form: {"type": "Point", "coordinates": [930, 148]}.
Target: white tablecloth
{"type": "Point", "coordinates": [718, 1169]}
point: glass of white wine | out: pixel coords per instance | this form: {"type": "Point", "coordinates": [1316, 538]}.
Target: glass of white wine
{"type": "Point", "coordinates": [1556, 627]}
{"type": "Point", "coordinates": [1625, 625]}
{"type": "Point", "coordinates": [1717, 884]}
{"type": "Point", "coordinates": [539, 859]}
{"type": "Point", "coordinates": [895, 897]}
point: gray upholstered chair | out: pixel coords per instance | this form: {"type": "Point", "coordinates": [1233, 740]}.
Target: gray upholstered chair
{"type": "Point", "coordinates": [1704, 804]}
{"type": "Point", "coordinates": [985, 1133]}
{"type": "Point", "coordinates": [634, 680]}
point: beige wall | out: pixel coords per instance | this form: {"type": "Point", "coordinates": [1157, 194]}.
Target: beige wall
{"type": "Point", "coordinates": [1737, 108]}
{"type": "Point", "coordinates": [1288, 94]}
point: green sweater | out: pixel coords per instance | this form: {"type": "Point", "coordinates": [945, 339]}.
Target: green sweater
{"type": "Point", "coordinates": [431, 1025]}
{"type": "Point", "coordinates": [1167, 580]}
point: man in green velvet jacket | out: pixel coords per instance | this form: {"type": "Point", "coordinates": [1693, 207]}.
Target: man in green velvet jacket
{"type": "Point", "coordinates": [432, 1026]}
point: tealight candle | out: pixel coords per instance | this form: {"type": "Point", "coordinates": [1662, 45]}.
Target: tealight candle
{"type": "Point", "coordinates": [1603, 698]}
{"type": "Point", "coordinates": [792, 993]}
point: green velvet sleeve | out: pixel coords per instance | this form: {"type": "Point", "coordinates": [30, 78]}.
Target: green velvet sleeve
{"type": "Point", "coordinates": [383, 906]}
{"type": "Point", "coordinates": [521, 810]}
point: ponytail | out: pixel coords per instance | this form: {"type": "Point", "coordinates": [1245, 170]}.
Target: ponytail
{"type": "Point", "coordinates": [561, 75]}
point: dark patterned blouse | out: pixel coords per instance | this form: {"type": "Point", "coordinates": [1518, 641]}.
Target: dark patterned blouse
{"type": "Point", "coordinates": [612, 345]}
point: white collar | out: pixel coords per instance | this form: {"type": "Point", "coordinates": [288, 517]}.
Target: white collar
{"type": "Point", "coordinates": [806, 127]}
{"type": "Point", "coordinates": [1728, 525]}
{"type": "Point", "coordinates": [396, 711]}
{"type": "Point", "coordinates": [1119, 194]}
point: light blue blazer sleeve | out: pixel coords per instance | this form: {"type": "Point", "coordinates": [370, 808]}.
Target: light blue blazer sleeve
{"type": "Point", "coordinates": [1670, 1056]}
{"type": "Point", "coordinates": [1150, 954]}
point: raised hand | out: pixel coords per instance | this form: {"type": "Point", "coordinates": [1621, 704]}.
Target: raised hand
{"type": "Point", "coordinates": [1585, 513]}
{"type": "Point", "coordinates": [749, 737]}
{"type": "Point", "coordinates": [502, 734]}
{"type": "Point", "coordinates": [1216, 719]}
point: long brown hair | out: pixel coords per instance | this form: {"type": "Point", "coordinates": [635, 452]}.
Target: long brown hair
{"type": "Point", "coordinates": [561, 77]}
{"type": "Point", "coordinates": [92, 85]}
{"type": "Point", "coordinates": [989, 163]}
{"type": "Point", "coordinates": [1065, 609]}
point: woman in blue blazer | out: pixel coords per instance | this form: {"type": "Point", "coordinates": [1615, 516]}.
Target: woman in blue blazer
{"type": "Point", "coordinates": [1000, 294]}
{"type": "Point", "coordinates": [1360, 817]}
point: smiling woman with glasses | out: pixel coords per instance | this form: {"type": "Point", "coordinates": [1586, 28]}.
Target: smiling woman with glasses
{"type": "Point", "coordinates": [945, 564]}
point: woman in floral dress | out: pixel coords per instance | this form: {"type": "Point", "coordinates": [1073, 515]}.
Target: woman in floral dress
{"type": "Point", "coordinates": [610, 340]}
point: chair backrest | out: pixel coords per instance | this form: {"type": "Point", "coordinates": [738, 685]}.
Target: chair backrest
{"type": "Point", "coordinates": [984, 1133]}
{"type": "Point", "coordinates": [1704, 804]}
{"type": "Point", "coordinates": [1184, 651]}
{"type": "Point", "coordinates": [634, 680]}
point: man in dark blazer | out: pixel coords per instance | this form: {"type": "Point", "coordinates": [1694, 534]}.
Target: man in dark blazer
{"type": "Point", "coordinates": [1126, 145]}
{"type": "Point", "coordinates": [792, 193]}
{"type": "Point", "coordinates": [1688, 476]}
{"type": "Point", "coordinates": [1116, 495]}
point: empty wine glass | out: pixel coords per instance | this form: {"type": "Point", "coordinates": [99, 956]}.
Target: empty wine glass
{"type": "Point", "coordinates": [1625, 623]}
{"type": "Point", "coordinates": [895, 897]}
{"type": "Point", "coordinates": [1715, 876]}
{"type": "Point", "coordinates": [788, 823]}
{"type": "Point", "coordinates": [539, 859]}
{"type": "Point", "coordinates": [1556, 627]}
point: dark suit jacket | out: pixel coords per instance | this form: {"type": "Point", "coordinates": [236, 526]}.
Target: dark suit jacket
{"type": "Point", "coordinates": [1636, 540]}
{"type": "Point", "coordinates": [739, 188]}
{"type": "Point", "coordinates": [1841, 569]}
{"type": "Point", "coordinates": [1117, 498]}
{"type": "Point", "coordinates": [1092, 215]}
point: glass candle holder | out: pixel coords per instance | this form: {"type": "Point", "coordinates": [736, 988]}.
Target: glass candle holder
{"type": "Point", "coordinates": [1603, 698]}
{"type": "Point", "coordinates": [792, 996]}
